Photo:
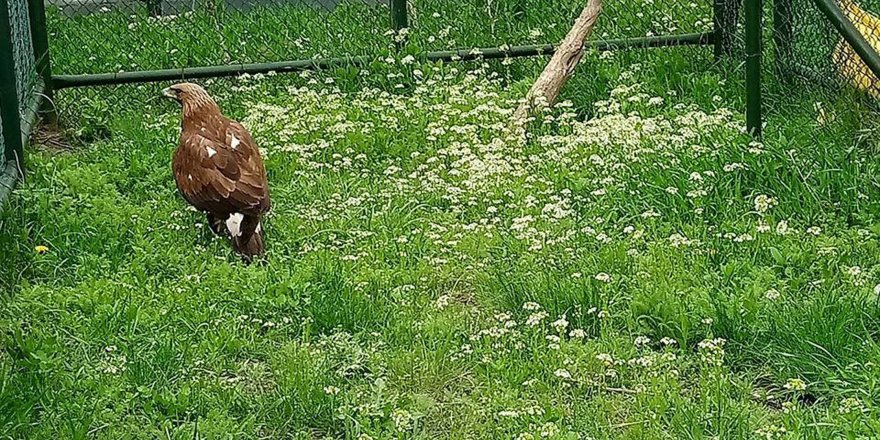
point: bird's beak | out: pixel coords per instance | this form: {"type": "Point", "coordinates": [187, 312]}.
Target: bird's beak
{"type": "Point", "coordinates": [168, 93]}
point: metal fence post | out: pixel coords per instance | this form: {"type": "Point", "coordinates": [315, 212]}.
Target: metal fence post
{"type": "Point", "coordinates": [42, 60]}
{"type": "Point", "coordinates": [753, 17]}
{"type": "Point", "coordinates": [399, 20]}
{"type": "Point", "coordinates": [9, 111]}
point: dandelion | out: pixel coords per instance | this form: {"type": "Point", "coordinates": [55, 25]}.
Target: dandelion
{"type": "Point", "coordinates": [41, 249]}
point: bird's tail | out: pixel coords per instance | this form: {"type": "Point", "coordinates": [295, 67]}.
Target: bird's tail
{"type": "Point", "coordinates": [251, 247]}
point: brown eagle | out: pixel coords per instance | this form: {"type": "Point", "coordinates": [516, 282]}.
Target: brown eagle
{"type": "Point", "coordinates": [218, 170]}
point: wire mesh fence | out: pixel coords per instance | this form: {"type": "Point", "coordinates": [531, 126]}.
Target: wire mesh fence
{"type": "Point", "coordinates": [825, 49]}
{"type": "Point", "coordinates": [19, 83]}
{"type": "Point", "coordinates": [124, 35]}
{"type": "Point", "coordinates": [112, 36]}
{"type": "Point", "coordinates": [809, 45]}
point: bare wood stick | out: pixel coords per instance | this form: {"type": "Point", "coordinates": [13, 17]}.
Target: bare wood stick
{"type": "Point", "coordinates": [546, 88]}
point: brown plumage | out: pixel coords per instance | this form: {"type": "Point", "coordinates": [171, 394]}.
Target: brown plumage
{"type": "Point", "coordinates": [218, 170]}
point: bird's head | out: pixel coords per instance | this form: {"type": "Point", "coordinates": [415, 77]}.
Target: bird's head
{"type": "Point", "coordinates": [190, 96]}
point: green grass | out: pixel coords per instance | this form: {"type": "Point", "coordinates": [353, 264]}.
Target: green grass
{"type": "Point", "coordinates": [621, 274]}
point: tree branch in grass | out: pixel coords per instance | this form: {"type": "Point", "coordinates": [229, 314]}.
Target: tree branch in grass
{"type": "Point", "coordinates": [546, 88]}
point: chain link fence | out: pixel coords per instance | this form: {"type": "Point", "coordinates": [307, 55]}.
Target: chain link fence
{"type": "Point", "coordinates": [19, 87]}
{"type": "Point", "coordinates": [828, 47]}
{"type": "Point", "coordinates": [98, 36]}
{"type": "Point", "coordinates": [106, 36]}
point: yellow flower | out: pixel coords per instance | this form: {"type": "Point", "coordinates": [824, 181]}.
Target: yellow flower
{"type": "Point", "coordinates": [41, 249]}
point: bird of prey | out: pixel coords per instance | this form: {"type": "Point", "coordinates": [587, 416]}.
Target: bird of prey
{"type": "Point", "coordinates": [218, 170]}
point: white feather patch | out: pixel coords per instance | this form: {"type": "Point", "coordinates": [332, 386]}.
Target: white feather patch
{"type": "Point", "coordinates": [211, 151]}
{"type": "Point", "coordinates": [259, 227]}
{"type": "Point", "coordinates": [235, 142]}
{"type": "Point", "coordinates": [189, 176]}
{"type": "Point", "coordinates": [233, 224]}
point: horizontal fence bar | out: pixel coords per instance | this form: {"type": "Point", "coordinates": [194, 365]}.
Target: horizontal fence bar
{"type": "Point", "coordinates": [66, 81]}
{"type": "Point", "coordinates": [851, 34]}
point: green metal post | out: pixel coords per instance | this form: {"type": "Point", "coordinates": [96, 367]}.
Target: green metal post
{"type": "Point", "coordinates": [399, 19]}
{"type": "Point", "coordinates": [9, 112]}
{"type": "Point", "coordinates": [783, 35]}
{"type": "Point", "coordinates": [40, 40]}
{"type": "Point", "coordinates": [753, 17]}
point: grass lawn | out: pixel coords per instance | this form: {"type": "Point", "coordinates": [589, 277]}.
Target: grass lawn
{"type": "Point", "coordinates": [638, 268]}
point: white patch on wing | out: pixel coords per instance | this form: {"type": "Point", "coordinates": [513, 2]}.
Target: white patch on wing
{"type": "Point", "coordinates": [235, 142]}
{"type": "Point", "coordinates": [211, 151]}
{"type": "Point", "coordinates": [233, 224]}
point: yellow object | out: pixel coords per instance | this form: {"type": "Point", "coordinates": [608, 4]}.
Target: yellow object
{"type": "Point", "coordinates": [41, 249]}
{"type": "Point", "coordinates": [849, 65]}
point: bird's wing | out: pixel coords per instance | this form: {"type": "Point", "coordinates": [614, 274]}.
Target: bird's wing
{"type": "Point", "coordinates": [221, 170]}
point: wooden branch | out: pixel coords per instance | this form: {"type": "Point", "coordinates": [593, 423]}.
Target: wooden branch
{"type": "Point", "coordinates": [546, 88]}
